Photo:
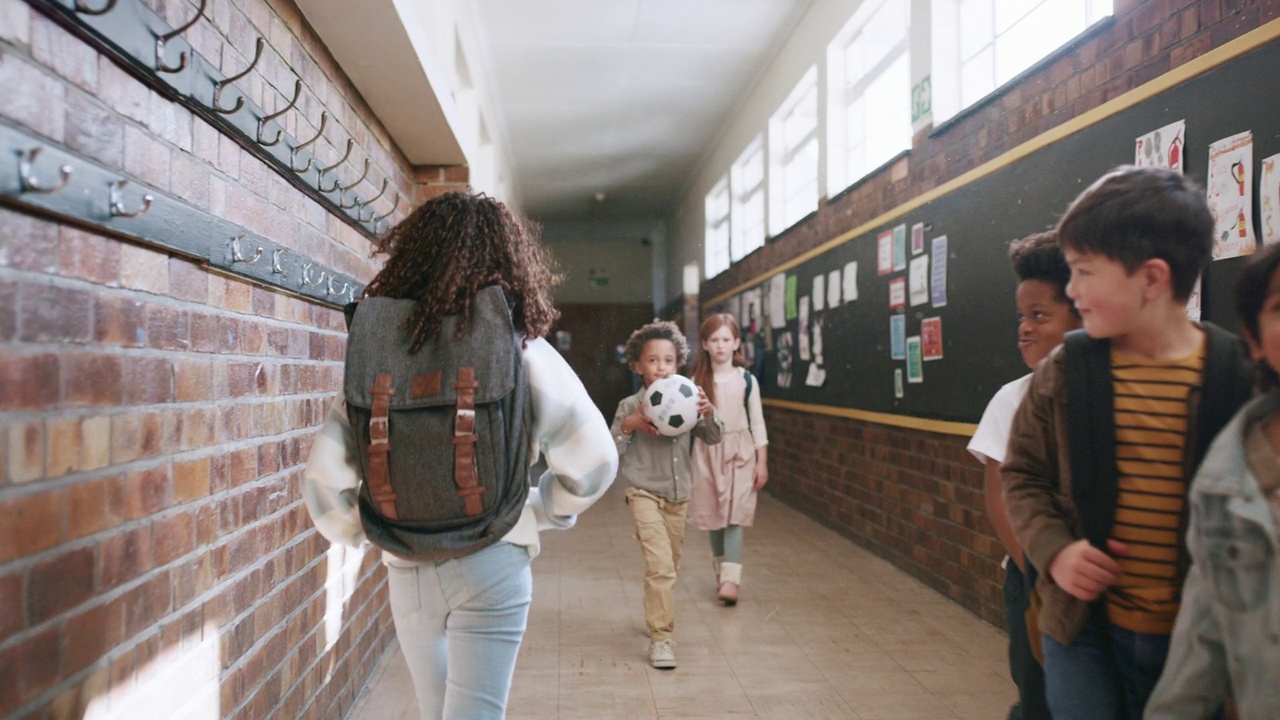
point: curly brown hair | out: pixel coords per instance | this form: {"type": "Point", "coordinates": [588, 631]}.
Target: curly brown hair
{"type": "Point", "coordinates": [454, 245]}
{"type": "Point", "coordinates": [657, 330]}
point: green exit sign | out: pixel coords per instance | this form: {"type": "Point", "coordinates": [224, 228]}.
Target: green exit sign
{"type": "Point", "coordinates": [921, 99]}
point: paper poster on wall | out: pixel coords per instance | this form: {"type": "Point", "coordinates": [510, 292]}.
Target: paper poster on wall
{"type": "Point", "coordinates": [919, 280]}
{"type": "Point", "coordinates": [750, 311]}
{"type": "Point", "coordinates": [897, 383]}
{"type": "Point", "coordinates": [1230, 189]}
{"type": "Point", "coordinates": [897, 293]}
{"type": "Point", "coordinates": [915, 364]}
{"type": "Point", "coordinates": [786, 362]}
{"type": "Point", "coordinates": [804, 329]}
{"type": "Point", "coordinates": [819, 294]}
{"type": "Point", "coordinates": [833, 289]}
{"type": "Point", "coordinates": [1194, 301]}
{"type": "Point", "coordinates": [897, 337]}
{"type": "Point", "coordinates": [938, 272]}
{"type": "Point", "coordinates": [884, 252]}
{"type": "Point", "coordinates": [851, 281]}
{"type": "Point", "coordinates": [1269, 199]}
{"type": "Point", "coordinates": [778, 301]}
{"type": "Point", "coordinates": [931, 338]}
{"type": "Point", "coordinates": [917, 238]}
{"type": "Point", "coordinates": [1162, 148]}
{"type": "Point", "coordinates": [792, 287]}
{"type": "Point", "coordinates": [900, 247]}
{"type": "Point", "coordinates": [815, 330]}
{"type": "Point", "coordinates": [816, 375]}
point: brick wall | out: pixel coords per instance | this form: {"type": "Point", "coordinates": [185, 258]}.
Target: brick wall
{"type": "Point", "coordinates": [913, 496]}
{"type": "Point", "coordinates": [155, 557]}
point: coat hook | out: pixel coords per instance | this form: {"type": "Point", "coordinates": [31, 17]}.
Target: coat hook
{"type": "Point", "coordinates": [385, 215]}
{"type": "Point", "coordinates": [275, 261]}
{"type": "Point", "coordinates": [219, 85]}
{"type": "Point", "coordinates": [162, 39]}
{"type": "Point", "coordinates": [346, 286]}
{"type": "Point", "coordinates": [86, 10]}
{"type": "Point", "coordinates": [237, 254]}
{"type": "Point", "coordinates": [324, 170]}
{"type": "Point", "coordinates": [117, 201]}
{"type": "Point", "coordinates": [297, 93]}
{"type": "Point", "coordinates": [362, 204]}
{"type": "Point", "coordinates": [342, 189]}
{"type": "Point", "coordinates": [306, 276]}
{"type": "Point", "coordinates": [311, 161]}
{"type": "Point", "coordinates": [27, 180]}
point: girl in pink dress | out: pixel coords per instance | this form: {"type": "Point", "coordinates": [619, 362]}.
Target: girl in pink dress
{"type": "Point", "coordinates": [727, 476]}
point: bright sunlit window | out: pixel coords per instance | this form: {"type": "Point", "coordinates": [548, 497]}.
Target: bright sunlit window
{"type": "Point", "coordinates": [979, 45]}
{"type": "Point", "coordinates": [793, 156]}
{"type": "Point", "coordinates": [746, 183]}
{"type": "Point", "coordinates": [869, 92]}
{"type": "Point", "coordinates": [716, 239]}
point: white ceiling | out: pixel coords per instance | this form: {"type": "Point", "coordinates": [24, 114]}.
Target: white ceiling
{"type": "Point", "coordinates": [621, 97]}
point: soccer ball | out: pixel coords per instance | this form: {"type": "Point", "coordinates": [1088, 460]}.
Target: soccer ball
{"type": "Point", "coordinates": [672, 404]}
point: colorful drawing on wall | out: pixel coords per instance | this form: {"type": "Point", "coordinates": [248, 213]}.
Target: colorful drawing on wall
{"type": "Point", "coordinates": [804, 329]}
{"type": "Point", "coordinates": [785, 360]}
{"type": "Point", "coordinates": [884, 252]}
{"type": "Point", "coordinates": [897, 293]}
{"type": "Point", "coordinates": [792, 286]}
{"type": "Point", "coordinates": [1230, 189]}
{"type": "Point", "coordinates": [1269, 200]}
{"type": "Point", "coordinates": [919, 280]}
{"type": "Point", "coordinates": [931, 338]}
{"type": "Point", "coordinates": [900, 247]}
{"type": "Point", "coordinates": [1162, 148]}
{"type": "Point", "coordinates": [851, 281]}
{"type": "Point", "coordinates": [917, 238]}
{"type": "Point", "coordinates": [915, 365]}
{"type": "Point", "coordinates": [897, 337]}
{"type": "Point", "coordinates": [938, 272]}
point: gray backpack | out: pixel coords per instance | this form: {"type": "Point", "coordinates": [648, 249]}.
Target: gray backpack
{"type": "Point", "coordinates": [443, 433]}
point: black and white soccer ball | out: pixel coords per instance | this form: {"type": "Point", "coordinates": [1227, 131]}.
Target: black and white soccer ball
{"type": "Point", "coordinates": [672, 404]}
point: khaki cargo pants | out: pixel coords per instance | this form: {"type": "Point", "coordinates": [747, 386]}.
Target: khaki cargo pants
{"type": "Point", "coordinates": [660, 528]}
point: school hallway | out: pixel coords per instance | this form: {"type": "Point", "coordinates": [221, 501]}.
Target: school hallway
{"type": "Point", "coordinates": [824, 629]}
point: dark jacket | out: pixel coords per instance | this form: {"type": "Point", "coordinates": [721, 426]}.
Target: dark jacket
{"type": "Point", "coordinates": [1050, 508]}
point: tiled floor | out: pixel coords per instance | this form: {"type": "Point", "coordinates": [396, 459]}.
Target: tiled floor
{"type": "Point", "coordinates": [824, 630]}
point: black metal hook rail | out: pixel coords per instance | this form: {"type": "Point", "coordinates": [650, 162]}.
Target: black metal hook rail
{"type": "Point", "coordinates": [43, 179]}
{"type": "Point", "coordinates": [142, 43]}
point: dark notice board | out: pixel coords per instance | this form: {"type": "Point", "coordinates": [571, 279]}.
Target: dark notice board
{"type": "Point", "coordinates": [980, 219]}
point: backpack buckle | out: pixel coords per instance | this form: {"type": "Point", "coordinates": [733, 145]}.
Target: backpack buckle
{"type": "Point", "coordinates": [378, 431]}
{"type": "Point", "coordinates": [464, 422]}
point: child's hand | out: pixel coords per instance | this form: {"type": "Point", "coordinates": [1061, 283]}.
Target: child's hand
{"type": "Point", "coordinates": [1085, 571]}
{"type": "Point", "coordinates": [760, 476]}
{"type": "Point", "coordinates": [637, 420]}
{"type": "Point", "coordinates": [704, 405]}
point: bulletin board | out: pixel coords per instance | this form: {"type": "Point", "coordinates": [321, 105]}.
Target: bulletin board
{"type": "Point", "coordinates": [965, 322]}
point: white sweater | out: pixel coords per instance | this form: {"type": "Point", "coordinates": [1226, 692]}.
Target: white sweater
{"type": "Point", "coordinates": [567, 428]}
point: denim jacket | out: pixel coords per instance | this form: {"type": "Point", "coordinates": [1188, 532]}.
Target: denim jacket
{"type": "Point", "coordinates": [1227, 638]}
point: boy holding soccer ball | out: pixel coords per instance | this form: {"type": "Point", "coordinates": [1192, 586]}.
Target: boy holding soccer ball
{"type": "Point", "coordinates": [656, 469]}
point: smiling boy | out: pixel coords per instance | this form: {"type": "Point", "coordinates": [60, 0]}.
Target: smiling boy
{"type": "Point", "coordinates": [1113, 427]}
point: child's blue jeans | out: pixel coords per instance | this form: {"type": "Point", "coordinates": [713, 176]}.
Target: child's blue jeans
{"type": "Point", "coordinates": [460, 623]}
{"type": "Point", "coordinates": [1108, 673]}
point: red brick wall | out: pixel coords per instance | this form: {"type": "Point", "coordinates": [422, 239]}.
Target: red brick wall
{"type": "Point", "coordinates": [915, 497]}
{"type": "Point", "coordinates": [155, 417]}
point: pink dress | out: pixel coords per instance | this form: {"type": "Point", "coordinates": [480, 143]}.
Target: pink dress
{"type": "Point", "coordinates": [722, 493]}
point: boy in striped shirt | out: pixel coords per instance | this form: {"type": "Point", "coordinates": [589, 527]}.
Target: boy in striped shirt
{"type": "Point", "coordinates": [1111, 431]}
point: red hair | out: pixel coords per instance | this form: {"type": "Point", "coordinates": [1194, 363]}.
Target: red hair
{"type": "Point", "coordinates": [703, 375]}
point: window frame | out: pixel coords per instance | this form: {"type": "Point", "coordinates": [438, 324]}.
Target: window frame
{"type": "Point", "coordinates": [740, 243]}
{"type": "Point", "coordinates": [781, 157]}
{"type": "Point", "coordinates": [716, 230]}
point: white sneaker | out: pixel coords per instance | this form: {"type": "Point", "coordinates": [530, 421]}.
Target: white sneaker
{"type": "Point", "coordinates": [662, 654]}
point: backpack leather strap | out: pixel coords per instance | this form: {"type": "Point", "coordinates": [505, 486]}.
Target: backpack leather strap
{"type": "Point", "coordinates": [379, 478]}
{"type": "Point", "coordinates": [465, 475]}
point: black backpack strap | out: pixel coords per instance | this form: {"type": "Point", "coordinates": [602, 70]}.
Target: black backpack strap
{"type": "Point", "coordinates": [1227, 385]}
{"type": "Point", "coordinates": [1091, 427]}
{"type": "Point", "coordinates": [746, 375]}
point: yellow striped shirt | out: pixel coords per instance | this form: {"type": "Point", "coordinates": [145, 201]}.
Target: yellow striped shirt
{"type": "Point", "coordinates": [1151, 429]}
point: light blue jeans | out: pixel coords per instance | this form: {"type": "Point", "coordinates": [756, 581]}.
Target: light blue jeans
{"type": "Point", "coordinates": [460, 623]}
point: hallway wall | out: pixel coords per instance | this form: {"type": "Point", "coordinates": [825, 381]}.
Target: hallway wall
{"type": "Point", "coordinates": [155, 555]}
{"type": "Point", "coordinates": [912, 495]}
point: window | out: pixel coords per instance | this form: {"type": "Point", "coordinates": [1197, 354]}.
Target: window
{"type": "Point", "coordinates": [746, 181]}
{"type": "Point", "coordinates": [716, 239]}
{"type": "Point", "coordinates": [869, 92]}
{"type": "Point", "coordinates": [793, 156]}
{"type": "Point", "coordinates": [979, 45]}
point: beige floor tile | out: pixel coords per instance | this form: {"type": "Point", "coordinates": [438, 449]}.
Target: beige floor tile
{"type": "Point", "coordinates": [824, 630]}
